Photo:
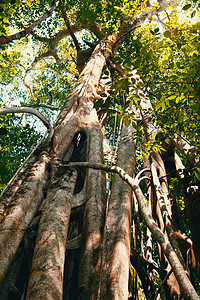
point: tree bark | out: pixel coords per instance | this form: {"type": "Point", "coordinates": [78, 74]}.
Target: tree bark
{"type": "Point", "coordinates": [20, 214]}
{"type": "Point", "coordinates": [114, 273]}
{"type": "Point", "coordinates": [186, 287]}
{"type": "Point", "coordinates": [46, 280]}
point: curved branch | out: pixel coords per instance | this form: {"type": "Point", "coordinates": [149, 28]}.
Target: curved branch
{"type": "Point", "coordinates": [142, 171]}
{"type": "Point", "coordinates": [48, 53]}
{"type": "Point", "coordinates": [143, 178]}
{"type": "Point", "coordinates": [24, 109]}
{"type": "Point", "coordinates": [191, 153]}
{"type": "Point", "coordinates": [57, 37]}
{"type": "Point", "coordinates": [42, 56]}
{"type": "Point", "coordinates": [17, 36]}
{"type": "Point", "coordinates": [45, 139]}
{"type": "Point", "coordinates": [182, 278]}
{"type": "Point", "coordinates": [74, 243]}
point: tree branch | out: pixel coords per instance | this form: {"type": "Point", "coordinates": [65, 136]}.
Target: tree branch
{"type": "Point", "coordinates": [23, 109]}
{"type": "Point", "coordinates": [78, 49]}
{"type": "Point", "coordinates": [138, 20]}
{"type": "Point", "coordinates": [182, 278]}
{"type": "Point", "coordinates": [17, 36]}
{"type": "Point", "coordinates": [48, 53]}
{"type": "Point", "coordinates": [50, 132]}
{"type": "Point", "coordinates": [42, 56]}
{"type": "Point", "coordinates": [191, 153]}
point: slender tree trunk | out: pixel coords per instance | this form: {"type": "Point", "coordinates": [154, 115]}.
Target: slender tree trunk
{"type": "Point", "coordinates": [117, 237]}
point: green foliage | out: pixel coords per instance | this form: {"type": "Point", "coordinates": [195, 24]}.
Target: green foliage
{"type": "Point", "coordinates": [165, 56]}
{"type": "Point", "coordinates": [9, 65]}
{"type": "Point", "coordinates": [167, 59]}
{"type": "Point", "coordinates": [14, 146]}
{"type": "Point", "coordinates": [169, 65]}
{"type": "Point", "coordinates": [7, 8]}
{"type": "Point", "coordinates": [108, 14]}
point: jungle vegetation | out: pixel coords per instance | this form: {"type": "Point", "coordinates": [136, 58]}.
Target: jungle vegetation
{"type": "Point", "coordinates": [105, 203]}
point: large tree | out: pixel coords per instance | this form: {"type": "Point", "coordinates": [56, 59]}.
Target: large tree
{"type": "Point", "coordinates": [106, 206]}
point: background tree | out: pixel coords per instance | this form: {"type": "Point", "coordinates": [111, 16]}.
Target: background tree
{"type": "Point", "coordinates": [126, 86]}
{"type": "Point", "coordinates": [16, 141]}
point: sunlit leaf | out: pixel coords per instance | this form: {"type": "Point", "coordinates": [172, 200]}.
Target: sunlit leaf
{"type": "Point", "coordinates": [187, 6]}
{"type": "Point", "coordinates": [167, 34]}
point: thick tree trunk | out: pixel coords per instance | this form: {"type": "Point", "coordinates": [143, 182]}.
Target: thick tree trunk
{"type": "Point", "coordinates": [115, 264]}
{"type": "Point", "coordinates": [93, 220]}
{"type": "Point", "coordinates": [19, 215]}
{"type": "Point", "coordinates": [46, 280]}
{"type": "Point", "coordinates": [98, 249]}
{"type": "Point", "coordinates": [179, 272]}
{"type": "Point", "coordinates": [77, 118]}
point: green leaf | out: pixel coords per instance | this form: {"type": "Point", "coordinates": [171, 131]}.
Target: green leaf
{"type": "Point", "coordinates": [193, 13]}
{"type": "Point", "coordinates": [107, 104]}
{"type": "Point", "coordinates": [164, 62]}
{"type": "Point", "coordinates": [126, 121]}
{"type": "Point", "coordinates": [197, 175]}
{"type": "Point", "coordinates": [130, 104]}
{"type": "Point", "coordinates": [171, 97]}
{"type": "Point", "coordinates": [179, 45]}
{"type": "Point", "coordinates": [187, 6]}
{"type": "Point", "coordinates": [140, 85]}
{"type": "Point", "coordinates": [163, 105]}
{"type": "Point", "coordinates": [167, 34]}
{"type": "Point", "coordinates": [176, 33]}
{"type": "Point", "coordinates": [158, 105]}
{"type": "Point", "coordinates": [98, 103]}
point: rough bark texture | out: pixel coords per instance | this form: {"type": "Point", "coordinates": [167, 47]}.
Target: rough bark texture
{"type": "Point", "coordinates": [46, 280]}
{"type": "Point", "coordinates": [182, 278]}
{"type": "Point", "coordinates": [22, 209]}
{"type": "Point", "coordinates": [7, 110]}
{"type": "Point", "coordinates": [83, 246]}
{"type": "Point", "coordinates": [184, 282]}
{"type": "Point", "coordinates": [93, 217]}
{"type": "Point", "coordinates": [14, 184]}
{"type": "Point", "coordinates": [117, 236]}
